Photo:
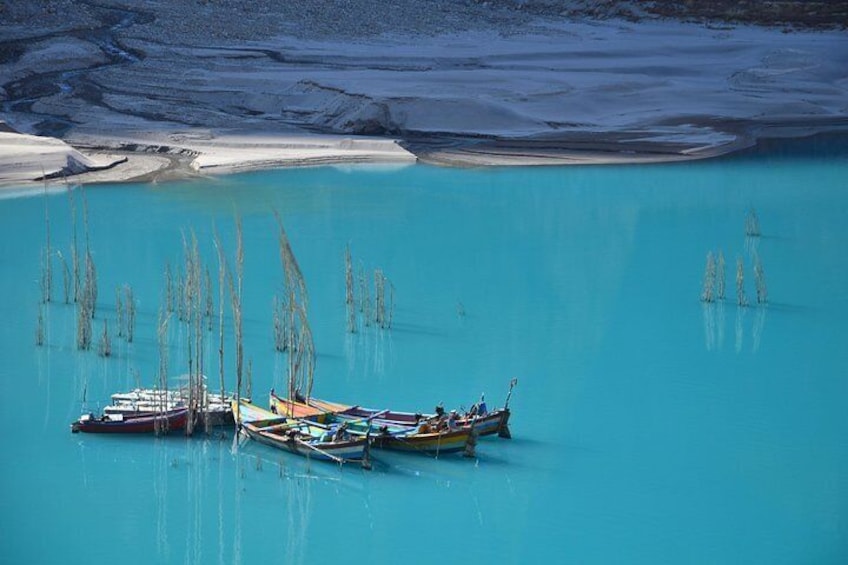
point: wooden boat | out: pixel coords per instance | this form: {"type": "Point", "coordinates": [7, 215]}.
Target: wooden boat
{"type": "Point", "coordinates": [484, 422]}
{"type": "Point", "coordinates": [432, 437]}
{"type": "Point", "coordinates": [302, 437]}
{"type": "Point", "coordinates": [162, 422]}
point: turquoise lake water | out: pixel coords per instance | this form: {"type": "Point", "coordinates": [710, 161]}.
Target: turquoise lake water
{"type": "Point", "coordinates": [648, 427]}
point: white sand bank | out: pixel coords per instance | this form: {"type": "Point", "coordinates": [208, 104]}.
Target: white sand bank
{"type": "Point", "coordinates": [151, 156]}
{"type": "Point", "coordinates": [29, 158]}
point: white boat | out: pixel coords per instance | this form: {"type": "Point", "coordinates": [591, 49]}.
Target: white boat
{"type": "Point", "coordinates": [213, 407]}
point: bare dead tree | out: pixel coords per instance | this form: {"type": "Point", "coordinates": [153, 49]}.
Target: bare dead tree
{"type": "Point", "coordinates": [741, 300]}
{"type": "Point", "coordinates": [709, 279]}
{"type": "Point", "coordinates": [760, 281]}
{"type": "Point", "coordinates": [169, 288]}
{"type": "Point", "coordinates": [120, 318]}
{"type": "Point", "coordinates": [222, 271]}
{"type": "Point", "coordinates": [104, 348]}
{"type": "Point", "coordinates": [350, 304]}
{"type": "Point", "coordinates": [66, 277]}
{"type": "Point", "coordinates": [752, 224]}
{"type": "Point", "coordinates": [47, 285]}
{"type": "Point", "coordinates": [720, 282]}
{"type": "Point", "coordinates": [130, 307]}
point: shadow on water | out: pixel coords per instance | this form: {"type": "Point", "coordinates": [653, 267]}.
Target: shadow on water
{"type": "Point", "coordinates": [451, 466]}
{"type": "Point", "coordinates": [417, 329]}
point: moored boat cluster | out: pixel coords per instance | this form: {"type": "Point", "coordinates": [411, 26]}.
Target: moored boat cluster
{"type": "Point", "coordinates": [310, 427]}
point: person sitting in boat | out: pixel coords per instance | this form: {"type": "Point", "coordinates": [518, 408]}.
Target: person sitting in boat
{"type": "Point", "coordinates": [482, 409]}
{"type": "Point", "coordinates": [451, 421]}
{"type": "Point", "coordinates": [340, 432]}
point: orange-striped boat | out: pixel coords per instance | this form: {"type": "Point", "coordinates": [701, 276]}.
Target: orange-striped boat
{"type": "Point", "coordinates": [432, 437]}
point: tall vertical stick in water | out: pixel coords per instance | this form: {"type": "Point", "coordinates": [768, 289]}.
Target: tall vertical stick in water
{"type": "Point", "coordinates": [240, 280]}
{"type": "Point", "coordinates": [364, 296]}
{"type": "Point", "coordinates": [74, 246]}
{"type": "Point", "coordinates": [379, 298]}
{"type": "Point", "coordinates": [199, 308]}
{"type": "Point", "coordinates": [39, 329]}
{"type": "Point", "coordinates": [104, 348]}
{"type": "Point", "coordinates": [184, 315]}
{"type": "Point", "coordinates": [83, 325]}
{"type": "Point", "coordinates": [349, 292]}
{"type": "Point", "coordinates": [222, 270]}
{"type": "Point", "coordinates": [44, 280]}
{"type": "Point", "coordinates": [66, 277]}
{"type": "Point", "coordinates": [309, 354]}
{"type": "Point", "coordinates": [90, 287]}
{"type": "Point", "coordinates": [302, 357]}
{"type": "Point", "coordinates": [193, 308]}
{"type": "Point", "coordinates": [210, 303]}
{"type": "Point", "coordinates": [720, 283]}
{"type": "Point", "coordinates": [162, 341]}
{"type": "Point", "coordinates": [48, 252]}
{"type": "Point", "coordinates": [740, 283]}
{"type": "Point", "coordinates": [752, 224]}
{"type": "Point", "coordinates": [169, 288]}
{"type": "Point", "coordinates": [281, 335]}
{"type": "Point", "coordinates": [250, 379]}
{"type": "Point", "coordinates": [297, 302]}
{"type": "Point", "coordinates": [129, 305]}
{"type": "Point", "coordinates": [235, 300]}
{"type": "Point", "coordinates": [709, 278]}
{"type": "Point", "coordinates": [119, 312]}
{"type": "Point", "coordinates": [760, 281]}
{"type": "Point", "coordinates": [383, 306]}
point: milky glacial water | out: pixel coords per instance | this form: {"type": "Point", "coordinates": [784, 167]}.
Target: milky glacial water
{"type": "Point", "coordinates": [648, 427]}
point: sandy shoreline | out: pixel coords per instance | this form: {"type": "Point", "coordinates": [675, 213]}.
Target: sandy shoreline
{"type": "Point", "coordinates": [108, 92]}
{"type": "Point", "coordinates": [163, 157]}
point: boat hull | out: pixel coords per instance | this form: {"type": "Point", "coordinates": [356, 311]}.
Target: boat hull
{"type": "Point", "coordinates": [353, 451]}
{"type": "Point", "coordinates": [213, 417]}
{"type": "Point", "coordinates": [431, 443]}
{"type": "Point", "coordinates": [154, 423]}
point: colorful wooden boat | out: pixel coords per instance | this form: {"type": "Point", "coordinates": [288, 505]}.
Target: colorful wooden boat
{"type": "Point", "coordinates": [484, 422]}
{"type": "Point", "coordinates": [302, 437]}
{"type": "Point", "coordinates": [135, 424]}
{"type": "Point", "coordinates": [432, 437]}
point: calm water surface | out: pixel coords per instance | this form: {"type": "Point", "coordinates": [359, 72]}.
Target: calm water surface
{"type": "Point", "coordinates": [648, 427]}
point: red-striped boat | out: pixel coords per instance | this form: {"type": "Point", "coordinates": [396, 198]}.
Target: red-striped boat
{"type": "Point", "coordinates": [134, 424]}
